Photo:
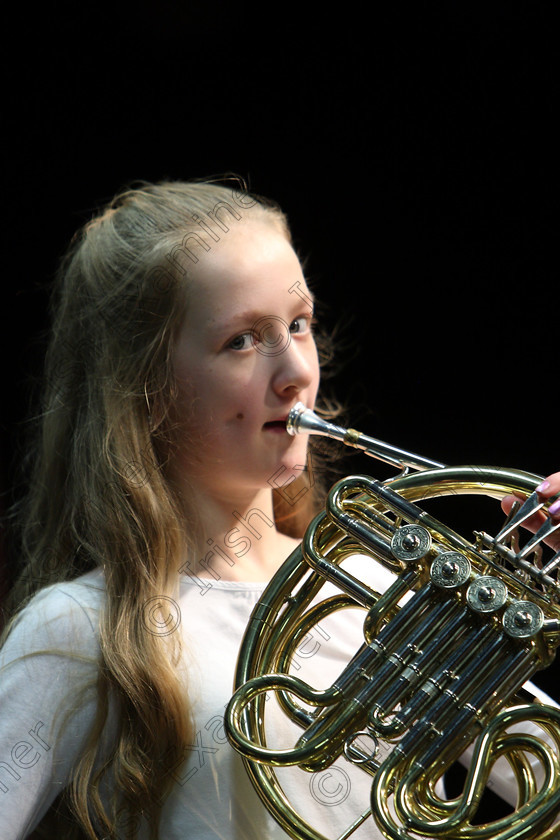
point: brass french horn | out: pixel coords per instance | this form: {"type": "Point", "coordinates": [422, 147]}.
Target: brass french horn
{"type": "Point", "coordinates": [447, 650]}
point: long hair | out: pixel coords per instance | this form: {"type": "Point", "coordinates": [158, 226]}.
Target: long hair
{"type": "Point", "coordinates": [99, 494]}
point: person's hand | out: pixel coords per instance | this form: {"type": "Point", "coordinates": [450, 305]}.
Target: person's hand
{"type": "Point", "coordinates": [549, 488]}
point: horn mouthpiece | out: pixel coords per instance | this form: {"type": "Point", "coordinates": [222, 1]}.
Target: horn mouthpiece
{"type": "Point", "coordinates": [303, 420]}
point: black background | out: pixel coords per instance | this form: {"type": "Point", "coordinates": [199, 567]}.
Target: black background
{"type": "Point", "coordinates": [413, 148]}
{"type": "Point", "coordinates": [413, 151]}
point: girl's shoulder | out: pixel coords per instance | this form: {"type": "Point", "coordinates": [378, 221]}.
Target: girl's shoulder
{"type": "Point", "coordinates": [63, 616]}
{"type": "Point", "coordinates": [48, 677]}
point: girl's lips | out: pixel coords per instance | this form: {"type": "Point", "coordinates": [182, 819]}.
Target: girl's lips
{"type": "Point", "coordinates": [275, 425]}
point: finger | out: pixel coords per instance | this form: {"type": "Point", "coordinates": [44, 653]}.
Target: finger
{"type": "Point", "coordinates": [538, 519]}
{"type": "Point", "coordinates": [550, 486]}
{"type": "Point", "coordinates": [547, 489]}
{"type": "Point", "coordinates": [532, 524]}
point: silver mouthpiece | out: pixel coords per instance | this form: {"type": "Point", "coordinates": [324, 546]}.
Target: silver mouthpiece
{"type": "Point", "coordinates": [294, 417]}
{"type": "Point", "coordinates": [303, 420]}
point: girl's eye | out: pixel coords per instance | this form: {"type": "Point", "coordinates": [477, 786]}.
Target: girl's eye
{"type": "Point", "coordinates": [301, 325]}
{"type": "Point", "coordinates": [242, 342]}
{"type": "Point", "coordinates": [249, 339]}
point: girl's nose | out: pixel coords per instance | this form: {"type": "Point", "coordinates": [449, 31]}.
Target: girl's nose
{"type": "Point", "coordinates": [296, 364]}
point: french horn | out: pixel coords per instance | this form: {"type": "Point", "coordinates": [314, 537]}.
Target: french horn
{"type": "Point", "coordinates": [448, 652]}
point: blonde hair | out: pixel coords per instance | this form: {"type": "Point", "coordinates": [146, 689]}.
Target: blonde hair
{"type": "Point", "coordinates": [99, 495]}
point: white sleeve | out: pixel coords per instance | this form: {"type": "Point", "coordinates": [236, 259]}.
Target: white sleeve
{"type": "Point", "coordinates": [38, 745]}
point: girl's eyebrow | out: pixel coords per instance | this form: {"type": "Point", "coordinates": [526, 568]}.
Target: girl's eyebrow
{"type": "Point", "coordinates": [247, 316]}
{"type": "Point", "coordinates": [250, 317]}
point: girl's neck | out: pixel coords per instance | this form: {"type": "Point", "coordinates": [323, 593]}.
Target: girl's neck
{"type": "Point", "coordinates": [238, 540]}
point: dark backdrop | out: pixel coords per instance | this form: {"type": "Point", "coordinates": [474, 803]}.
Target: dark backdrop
{"type": "Point", "coordinates": [413, 152]}
{"type": "Point", "coordinates": [412, 148]}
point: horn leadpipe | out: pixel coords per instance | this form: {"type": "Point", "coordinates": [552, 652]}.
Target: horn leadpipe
{"type": "Point", "coordinates": [302, 420]}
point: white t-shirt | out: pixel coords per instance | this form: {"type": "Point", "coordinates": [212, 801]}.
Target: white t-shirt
{"type": "Point", "coordinates": [212, 797]}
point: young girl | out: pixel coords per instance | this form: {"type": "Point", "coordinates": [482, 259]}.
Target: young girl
{"type": "Point", "coordinates": [164, 494]}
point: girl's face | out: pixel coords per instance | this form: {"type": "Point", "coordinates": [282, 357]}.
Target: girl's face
{"type": "Point", "coordinates": [244, 356]}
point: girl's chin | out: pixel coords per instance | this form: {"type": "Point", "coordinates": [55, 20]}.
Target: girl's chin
{"type": "Point", "coordinates": [286, 472]}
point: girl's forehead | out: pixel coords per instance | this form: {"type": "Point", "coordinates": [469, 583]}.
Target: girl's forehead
{"type": "Point", "coordinates": [246, 242]}
{"type": "Point", "coordinates": [253, 270]}
{"type": "Point", "coordinates": [245, 255]}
